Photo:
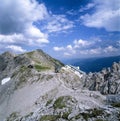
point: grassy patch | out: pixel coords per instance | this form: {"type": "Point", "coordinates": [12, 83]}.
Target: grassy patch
{"type": "Point", "coordinates": [62, 101]}
{"type": "Point", "coordinates": [77, 116]}
{"type": "Point", "coordinates": [59, 103]}
{"type": "Point", "coordinates": [49, 118]}
{"type": "Point", "coordinates": [30, 54]}
{"type": "Point", "coordinates": [66, 114]}
{"type": "Point", "coordinates": [100, 120]}
{"type": "Point", "coordinates": [23, 68]}
{"type": "Point", "coordinates": [21, 81]}
{"type": "Point", "coordinates": [49, 102]}
{"type": "Point", "coordinates": [12, 116]}
{"type": "Point", "coordinates": [41, 68]}
{"type": "Point", "coordinates": [117, 105]}
{"type": "Point", "coordinates": [92, 113]}
{"type": "Point", "coordinates": [30, 114]}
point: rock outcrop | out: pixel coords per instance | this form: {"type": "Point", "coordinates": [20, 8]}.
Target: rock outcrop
{"type": "Point", "coordinates": [106, 81]}
{"type": "Point", "coordinates": [36, 92]}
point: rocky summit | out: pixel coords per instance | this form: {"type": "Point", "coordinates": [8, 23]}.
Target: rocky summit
{"type": "Point", "coordinates": [37, 87]}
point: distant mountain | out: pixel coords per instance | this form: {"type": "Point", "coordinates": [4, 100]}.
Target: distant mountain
{"type": "Point", "coordinates": [93, 64]}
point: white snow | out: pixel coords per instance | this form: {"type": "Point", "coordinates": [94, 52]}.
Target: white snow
{"type": "Point", "coordinates": [5, 80]}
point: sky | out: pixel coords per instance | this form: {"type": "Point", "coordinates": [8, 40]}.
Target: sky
{"type": "Point", "coordinates": [62, 28]}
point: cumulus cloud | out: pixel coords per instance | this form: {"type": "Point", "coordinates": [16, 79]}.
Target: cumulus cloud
{"type": "Point", "coordinates": [71, 49]}
{"type": "Point", "coordinates": [67, 51]}
{"type": "Point", "coordinates": [58, 48]}
{"type": "Point", "coordinates": [82, 43]}
{"type": "Point", "coordinates": [17, 19]}
{"type": "Point", "coordinates": [18, 24]}
{"type": "Point", "coordinates": [110, 49]}
{"type": "Point", "coordinates": [16, 48]}
{"type": "Point", "coordinates": [16, 15]}
{"type": "Point", "coordinates": [106, 15]}
{"type": "Point", "coordinates": [85, 48]}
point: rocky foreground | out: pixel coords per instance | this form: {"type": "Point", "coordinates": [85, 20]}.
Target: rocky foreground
{"type": "Point", "coordinates": [40, 88]}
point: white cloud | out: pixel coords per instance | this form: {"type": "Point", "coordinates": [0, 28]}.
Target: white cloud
{"type": "Point", "coordinates": [12, 39]}
{"type": "Point", "coordinates": [100, 51]}
{"type": "Point", "coordinates": [35, 36]}
{"type": "Point", "coordinates": [82, 43]}
{"type": "Point", "coordinates": [87, 7]}
{"type": "Point", "coordinates": [93, 51]}
{"type": "Point", "coordinates": [58, 48]}
{"type": "Point", "coordinates": [118, 43]}
{"type": "Point", "coordinates": [72, 12]}
{"type": "Point", "coordinates": [67, 51]}
{"type": "Point", "coordinates": [16, 15]}
{"type": "Point", "coordinates": [16, 48]}
{"type": "Point", "coordinates": [58, 23]}
{"type": "Point", "coordinates": [69, 47]}
{"type": "Point", "coordinates": [16, 23]}
{"type": "Point", "coordinates": [110, 49]}
{"type": "Point", "coordinates": [106, 15]}
{"type": "Point", "coordinates": [66, 54]}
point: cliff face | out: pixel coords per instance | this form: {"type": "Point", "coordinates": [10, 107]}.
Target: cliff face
{"type": "Point", "coordinates": [41, 89]}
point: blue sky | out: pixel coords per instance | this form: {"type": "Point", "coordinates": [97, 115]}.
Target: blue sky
{"type": "Point", "coordinates": [62, 28]}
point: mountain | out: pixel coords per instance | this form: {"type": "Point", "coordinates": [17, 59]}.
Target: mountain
{"type": "Point", "coordinates": [93, 64]}
{"type": "Point", "coordinates": [37, 87]}
{"type": "Point", "coordinates": [10, 63]}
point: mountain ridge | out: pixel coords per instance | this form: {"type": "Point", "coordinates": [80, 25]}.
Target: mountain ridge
{"type": "Point", "coordinates": [37, 91]}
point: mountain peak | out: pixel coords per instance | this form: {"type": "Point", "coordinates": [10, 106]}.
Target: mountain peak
{"type": "Point", "coordinates": [38, 60]}
{"type": "Point", "coordinates": [8, 54]}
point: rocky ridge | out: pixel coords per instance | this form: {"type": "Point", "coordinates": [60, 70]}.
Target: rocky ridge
{"type": "Point", "coordinates": [42, 89]}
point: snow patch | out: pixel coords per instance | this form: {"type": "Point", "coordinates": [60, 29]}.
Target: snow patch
{"type": "Point", "coordinates": [5, 80]}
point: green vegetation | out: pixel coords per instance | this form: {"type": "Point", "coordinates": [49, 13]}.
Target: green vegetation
{"type": "Point", "coordinates": [12, 116]}
{"type": "Point", "coordinates": [100, 120]}
{"type": "Point", "coordinates": [30, 54]}
{"type": "Point", "coordinates": [20, 82]}
{"type": "Point", "coordinates": [14, 74]}
{"type": "Point", "coordinates": [92, 113]}
{"type": "Point", "coordinates": [41, 68]}
{"type": "Point", "coordinates": [30, 114]}
{"type": "Point", "coordinates": [49, 102]}
{"type": "Point", "coordinates": [61, 102]}
{"type": "Point", "coordinates": [23, 68]}
{"type": "Point", "coordinates": [54, 117]}
{"type": "Point", "coordinates": [49, 118]}
{"type": "Point", "coordinates": [66, 114]}
{"type": "Point", "coordinates": [77, 116]}
{"type": "Point", "coordinates": [117, 105]}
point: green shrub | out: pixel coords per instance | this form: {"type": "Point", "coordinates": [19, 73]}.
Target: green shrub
{"type": "Point", "coordinates": [12, 116]}
{"type": "Point", "coordinates": [41, 68]}
{"type": "Point", "coordinates": [62, 102]}
{"type": "Point", "coordinates": [23, 68]}
{"type": "Point", "coordinates": [116, 105]}
{"type": "Point", "coordinates": [49, 118]}
{"type": "Point", "coordinates": [49, 102]}
{"type": "Point", "coordinates": [92, 113]}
